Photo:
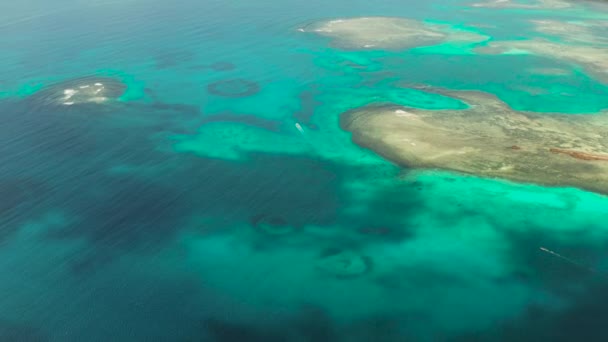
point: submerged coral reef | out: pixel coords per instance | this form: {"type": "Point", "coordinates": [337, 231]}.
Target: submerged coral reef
{"type": "Point", "coordinates": [234, 88]}
{"type": "Point", "coordinates": [84, 90]}
{"type": "Point", "coordinates": [343, 263]}
{"type": "Point", "coordinates": [271, 225]}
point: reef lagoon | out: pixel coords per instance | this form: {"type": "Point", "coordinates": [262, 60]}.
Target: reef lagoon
{"type": "Point", "coordinates": [281, 170]}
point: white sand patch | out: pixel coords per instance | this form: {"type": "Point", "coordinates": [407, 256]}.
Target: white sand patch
{"type": "Point", "coordinates": [405, 114]}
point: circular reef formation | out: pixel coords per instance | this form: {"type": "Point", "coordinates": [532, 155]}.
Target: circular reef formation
{"type": "Point", "coordinates": [343, 263]}
{"type": "Point", "coordinates": [272, 225]}
{"type": "Point", "coordinates": [84, 90]}
{"type": "Point", "coordinates": [234, 88]}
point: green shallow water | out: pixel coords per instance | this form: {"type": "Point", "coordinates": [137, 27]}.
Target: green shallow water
{"type": "Point", "coordinates": [183, 214]}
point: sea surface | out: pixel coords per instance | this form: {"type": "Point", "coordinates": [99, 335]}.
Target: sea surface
{"type": "Point", "coordinates": [217, 200]}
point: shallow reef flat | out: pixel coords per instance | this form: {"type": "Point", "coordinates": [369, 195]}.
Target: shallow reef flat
{"type": "Point", "coordinates": [590, 32]}
{"type": "Point", "coordinates": [388, 33]}
{"type": "Point", "coordinates": [540, 4]}
{"type": "Point", "coordinates": [489, 139]}
{"type": "Point", "coordinates": [573, 41]}
{"type": "Point", "coordinates": [594, 59]}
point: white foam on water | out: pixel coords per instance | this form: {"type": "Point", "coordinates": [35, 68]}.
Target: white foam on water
{"type": "Point", "coordinates": [69, 93]}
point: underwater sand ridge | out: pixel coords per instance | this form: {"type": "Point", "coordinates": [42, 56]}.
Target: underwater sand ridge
{"type": "Point", "coordinates": [489, 139]}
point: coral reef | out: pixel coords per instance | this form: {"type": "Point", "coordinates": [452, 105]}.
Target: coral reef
{"type": "Point", "coordinates": [390, 33]}
{"type": "Point", "coordinates": [540, 4]}
{"type": "Point", "coordinates": [234, 88]}
{"type": "Point", "coordinates": [343, 263]}
{"type": "Point", "coordinates": [308, 105]}
{"type": "Point", "coordinates": [577, 32]}
{"type": "Point", "coordinates": [271, 225]}
{"type": "Point", "coordinates": [246, 119]}
{"type": "Point", "coordinates": [84, 90]}
{"type": "Point", "coordinates": [222, 66]}
{"type": "Point", "coordinates": [489, 139]}
{"type": "Point", "coordinates": [593, 58]}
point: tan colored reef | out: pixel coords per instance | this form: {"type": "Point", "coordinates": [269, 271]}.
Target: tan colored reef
{"type": "Point", "coordinates": [584, 43]}
{"type": "Point", "coordinates": [389, 33]}
{"type": "Point", "coordinates": [539, 4]}
{"type": "Point", "coordinates": [573, 31]}
{"type": "Point", "coordinates": [489, 139]}
{"type": "Point", "coordinates": [593, 58]}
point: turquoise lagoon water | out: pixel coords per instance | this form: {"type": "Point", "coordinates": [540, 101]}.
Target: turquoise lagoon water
{"type": "Point", "coordinates": [181, 215]}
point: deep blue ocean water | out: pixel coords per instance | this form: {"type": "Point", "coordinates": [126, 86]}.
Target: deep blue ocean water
{"type": "Point", "coordinates": [181, 214]}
